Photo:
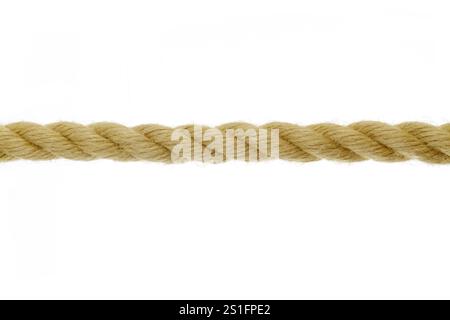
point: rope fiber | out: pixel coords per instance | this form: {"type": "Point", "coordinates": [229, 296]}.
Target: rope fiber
{"type": "Point", "coordinates": [355, 142]}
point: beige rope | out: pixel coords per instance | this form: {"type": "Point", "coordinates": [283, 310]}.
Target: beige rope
{"type": "Point", "coordinates": [355, 142]}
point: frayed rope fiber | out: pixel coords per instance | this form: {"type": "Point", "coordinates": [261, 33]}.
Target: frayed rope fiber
{"type": "Point", "coordinates": [355, 142]}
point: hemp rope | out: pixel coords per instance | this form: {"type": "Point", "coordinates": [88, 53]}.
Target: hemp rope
{"type": "Point", "coordinates": [355, 142]}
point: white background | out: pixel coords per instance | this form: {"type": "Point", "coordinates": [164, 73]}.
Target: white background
{"type": "Point", "coordinates": [105, 229]}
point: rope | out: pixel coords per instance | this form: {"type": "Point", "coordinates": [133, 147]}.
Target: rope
{"type": "Point", "coordinates": [355, 142]}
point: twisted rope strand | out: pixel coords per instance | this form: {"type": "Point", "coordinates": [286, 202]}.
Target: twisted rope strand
{"type": "Point", "coordinates": [355, 142]}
